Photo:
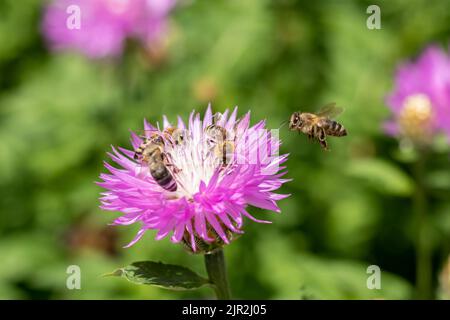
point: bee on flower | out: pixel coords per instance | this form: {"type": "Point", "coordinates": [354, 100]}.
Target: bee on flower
{"type": "Point", "coordinates": [202, 195]}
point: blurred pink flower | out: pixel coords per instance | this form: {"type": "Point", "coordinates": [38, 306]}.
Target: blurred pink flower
{"type": "Point", "coordinates": [205, 208]}
{"type": "Point", "coordinates": [104, 25]}
{"type": "Point", "coordinates": [420, 101]}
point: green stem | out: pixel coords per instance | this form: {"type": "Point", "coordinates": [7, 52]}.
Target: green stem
{"type": "Point", "coordinates": [423, 250]}
{"type": "Point", "coordinates": [215, 267]}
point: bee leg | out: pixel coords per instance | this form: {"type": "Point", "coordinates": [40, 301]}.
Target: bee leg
{"type": "Point", "coordinates": [323, 139]}
{"type": "Point", "coordinates": [165, 159]}
{"type": "Point", "coordinates": [324, 144]}
{"type": "Point", "coordinates": [167, 163]}
{"type": "Point", "coordinates": [174, 168]}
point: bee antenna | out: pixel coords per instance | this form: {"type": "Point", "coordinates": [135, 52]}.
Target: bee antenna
{"type": "Point", "coordinates": [285, 122]}
{"type": "Point", "coordinates": [143, 133]}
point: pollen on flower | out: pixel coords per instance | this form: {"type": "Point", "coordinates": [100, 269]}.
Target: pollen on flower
{"type": "Point", "coordinates": [206, 210]}
{"type": "Point", "coordinates": [416, 118]}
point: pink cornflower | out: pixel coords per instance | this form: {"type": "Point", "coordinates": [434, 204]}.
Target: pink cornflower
{"type": "Point", "coordinates": [420, 101]}
{"type": "Point", "coordinates": [104, 25]}
{"type": "Point", "coordinates": [206, 208]}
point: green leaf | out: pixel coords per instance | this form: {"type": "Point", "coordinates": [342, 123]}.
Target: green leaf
{"type": "Point", "coordinates": [167, 276]}
{"type": "Point", "coordinates": [382, 175]}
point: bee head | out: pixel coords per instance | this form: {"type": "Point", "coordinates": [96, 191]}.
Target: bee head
{"type": "Point", "coordinates": [295, 121]}
{"type": "Point", "coordinates": [178, 136]}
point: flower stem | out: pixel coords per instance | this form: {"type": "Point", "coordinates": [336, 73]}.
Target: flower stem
{"type": "Point", "coordinates": [423, 249]}
{"type": "Point", "coordinates": [215, 267]}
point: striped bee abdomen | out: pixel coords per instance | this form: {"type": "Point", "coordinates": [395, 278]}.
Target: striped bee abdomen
{"type": "Point", "coordinates": [335, 129]}
{"type": "Point", "coordinates": [162, 176]}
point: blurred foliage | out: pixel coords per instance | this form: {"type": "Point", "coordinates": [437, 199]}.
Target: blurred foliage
{"type": "Point", "coordinates": [350, 208]}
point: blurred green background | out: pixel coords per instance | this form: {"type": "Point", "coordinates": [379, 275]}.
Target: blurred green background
{"type": "Point", "coordinates": [350, 208]}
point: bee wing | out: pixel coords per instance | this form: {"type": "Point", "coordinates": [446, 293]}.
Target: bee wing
{"type": "Point", "coordinates": [283, 123]}
{"type": "Point", "coordinates": [330, 110]}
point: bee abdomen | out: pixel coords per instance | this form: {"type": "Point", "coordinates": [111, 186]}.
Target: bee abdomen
{"type": "Point", "coordinates": [335, 129]}
{"type": "Point", "coordinates": [164, 178]}
{"type": "Point", "coordinates": [168, 182]}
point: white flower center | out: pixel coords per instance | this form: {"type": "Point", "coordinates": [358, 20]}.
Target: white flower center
{"type": "Point", "coordinates": [416, 117]}
{"type": "Point", "coordinates": [193, 161]}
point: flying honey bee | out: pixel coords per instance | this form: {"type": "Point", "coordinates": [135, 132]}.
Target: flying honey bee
{"type": "Point", "coordinates": [318, 126]}
{"type": "Point", "coordinates": [151, 153]}
{"type": "Point", "coordinates": [222, 146]}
